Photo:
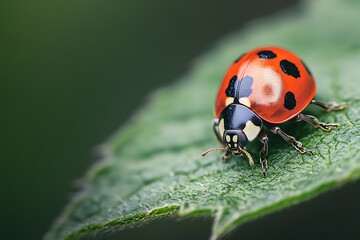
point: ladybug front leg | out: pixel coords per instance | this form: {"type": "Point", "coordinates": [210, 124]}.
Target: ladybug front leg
{"type": "Point", "coordinates": [216, 130]}
{"type": "Point", "coordinates": [290, 139]}
{"type": "Point", "coordinates": [226, 156]}
{"type": "Point", "coordinates": [264, 151]}
{"type": "Point", "coordinates": [331, 106]}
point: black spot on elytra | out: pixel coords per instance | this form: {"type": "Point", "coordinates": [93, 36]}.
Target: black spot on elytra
{"type": "Point", "coordinates": [307, 69]}
{"type": "Point", "coordinates": [289, 68]}
{"type": "Point", "coordinates": [233, 85]}
{"type": "Point", "coordinates": [266, 54]}
{"type": "Point", "coordinates": [240, 57]}
{"type": "Point", "coordinates": [289, 101]}
{"type": "Point", "coordinates": [238, 89]}
{"type": "Point", "coordinates": [245, 86]}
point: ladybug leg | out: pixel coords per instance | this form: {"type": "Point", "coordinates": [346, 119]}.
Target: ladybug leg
{"type": "Point", "coordinates": [216, 130]}
{"type": "Point", "coordinates": [316, 123]}
{"type": "Point", "coordinates": [264, 151]}
{"type": "Point", "coordinates": [226, 156]}
{"type": "Point", "coordinates": [290, 139]}
{"type": "Point", "coordinates": [331, 106]}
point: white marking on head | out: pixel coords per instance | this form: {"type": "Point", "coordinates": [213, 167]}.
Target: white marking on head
{"type": "Point", "coordinates": [229, 101]}
{"type": "Point", "coordinates": [251, 130]}
{"type": "Point", "coordinates": [235, 145]}
{"type": "Point", "coordinates": [245, 101]}
{"type": "Point", "coordinates": [235, 138]}
{"type": "Point", "coordinates": [221, 127]}
{"type": "Point", "coordinates": [228, 138]}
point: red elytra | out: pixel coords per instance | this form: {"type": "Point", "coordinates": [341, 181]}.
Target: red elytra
{"type": "Point", "coordinates": [272, 76]}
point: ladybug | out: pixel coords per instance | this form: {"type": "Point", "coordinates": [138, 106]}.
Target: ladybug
{"type": "Point", "coordinates": [263, 88]}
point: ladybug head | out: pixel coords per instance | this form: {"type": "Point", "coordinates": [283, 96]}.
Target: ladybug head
{"type": "Point", "coordinates": [234, 140]}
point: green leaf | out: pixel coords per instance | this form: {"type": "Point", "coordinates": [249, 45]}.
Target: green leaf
{"type": "Point", "coordinates": [152, 167]}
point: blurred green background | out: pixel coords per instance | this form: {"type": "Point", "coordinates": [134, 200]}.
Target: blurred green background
{"type": "Point", "coordinates": [73, 71]}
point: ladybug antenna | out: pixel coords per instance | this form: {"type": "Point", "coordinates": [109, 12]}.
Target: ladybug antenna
{"type": "Point", "coordinates": [213, 150]}
{"type": "Point", "coordinates": [248, 155]}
